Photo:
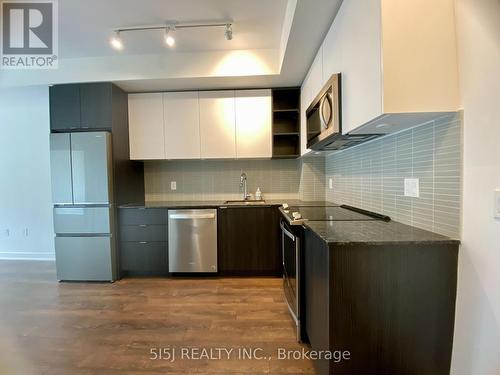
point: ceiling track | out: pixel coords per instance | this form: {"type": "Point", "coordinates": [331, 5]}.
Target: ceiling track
{"type": "Point", "coordinates": [176, 25]}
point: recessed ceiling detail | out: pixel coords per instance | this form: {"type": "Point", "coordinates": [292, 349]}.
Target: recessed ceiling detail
{"type": "Point", "coordinates": [272, 43]}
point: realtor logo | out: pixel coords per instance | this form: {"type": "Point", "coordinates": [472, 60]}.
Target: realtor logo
{"type": "Point", "coordinates": [29, 35]}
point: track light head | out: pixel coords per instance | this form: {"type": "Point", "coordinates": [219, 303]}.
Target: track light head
{"type": "Point", "coordinates": [228, 32]}
{"type": "Point", "coordinates": [169, 38]}
{"type": "Point", "coordinates": [116, 41]}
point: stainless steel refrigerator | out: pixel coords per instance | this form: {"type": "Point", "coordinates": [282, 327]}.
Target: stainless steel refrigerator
{"type": "Point", "coordinates": [84, 214]}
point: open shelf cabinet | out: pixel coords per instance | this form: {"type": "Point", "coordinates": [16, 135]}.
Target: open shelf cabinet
{"type": "Point", "coordinates": [286, 122]}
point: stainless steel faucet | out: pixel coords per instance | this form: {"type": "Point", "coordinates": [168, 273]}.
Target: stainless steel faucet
{"type": "Point", "coordinates": [243, 184]}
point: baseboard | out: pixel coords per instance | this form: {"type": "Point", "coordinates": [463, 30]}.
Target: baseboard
{"type": "Point", "coordinates": [24, 255]}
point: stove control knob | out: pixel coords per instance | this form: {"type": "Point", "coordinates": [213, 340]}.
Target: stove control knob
{"type": "Point", "coordinates": [296, 215]}
{"type": "Point", "coordinates": [285, 206]}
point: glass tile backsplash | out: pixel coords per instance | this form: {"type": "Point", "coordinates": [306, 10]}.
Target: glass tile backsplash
{"type": "Point", "coordinates": [369, 176]}
{"type": "Point", "coordinates": [220, 179]}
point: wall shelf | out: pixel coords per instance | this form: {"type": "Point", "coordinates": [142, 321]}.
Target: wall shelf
{"type": "Point", "coordinates": [286, 123]}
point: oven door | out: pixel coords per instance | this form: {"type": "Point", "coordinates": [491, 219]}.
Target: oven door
{"type": "Point", "coordinates": [291, 272]}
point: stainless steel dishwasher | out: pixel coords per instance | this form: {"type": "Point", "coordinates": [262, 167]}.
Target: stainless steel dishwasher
{"type": "Point", "coordinates": [192, 240]}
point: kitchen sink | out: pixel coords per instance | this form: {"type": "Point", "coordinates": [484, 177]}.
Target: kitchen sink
{"type": "Point", "coordinates": [245, 202]}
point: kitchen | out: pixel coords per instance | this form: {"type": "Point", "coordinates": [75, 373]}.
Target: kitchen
{"type": "Point", "coordinates": [234, 187]}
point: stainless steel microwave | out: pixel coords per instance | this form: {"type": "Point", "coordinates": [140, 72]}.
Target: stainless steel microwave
{"type": "Point", "coordinates": [324, 114]}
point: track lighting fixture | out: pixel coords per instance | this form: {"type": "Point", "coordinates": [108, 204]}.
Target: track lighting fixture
{"type": "Point", "coordinates": [169, 31]}
{"type": "Point", "coordinates": [116, 41]}
{"type": "Point", "coordinates": [169, 38]}
{"type": "Point", "coordinates": [228, 32]}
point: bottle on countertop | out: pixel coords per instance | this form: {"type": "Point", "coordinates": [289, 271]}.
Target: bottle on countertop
{"type": "Point", "coordinates": [258, 194]}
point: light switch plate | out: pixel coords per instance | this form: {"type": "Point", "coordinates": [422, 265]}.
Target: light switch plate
{"type": "Point", "coordinates": [173, 185]}
{"type": "Point", "coordinates": [330, 183]}
{"type": "Point", "coordinates": [412, 187]}
{"type": "Point", "coordinates": [497, 204]}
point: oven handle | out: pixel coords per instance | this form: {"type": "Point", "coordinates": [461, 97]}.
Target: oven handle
{"type": "Point", "coordinates": [285, 231]}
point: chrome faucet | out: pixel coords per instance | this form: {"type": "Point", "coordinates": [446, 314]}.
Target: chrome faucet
{"type": "Point", "coordinates": [243, 184]}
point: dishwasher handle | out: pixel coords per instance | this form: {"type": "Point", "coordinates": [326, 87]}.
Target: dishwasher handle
{"type": "Point", "coordinates": [191, 216]}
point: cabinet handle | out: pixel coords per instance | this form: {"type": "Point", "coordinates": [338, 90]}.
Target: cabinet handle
{"type": "Point", "coordinates": [191, 216]}
{"type": "Point", "coordinates": [143, 225]}
{"type": "Point", "coordinates": [143, 242]}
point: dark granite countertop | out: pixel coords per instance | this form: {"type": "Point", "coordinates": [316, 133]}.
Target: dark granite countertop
{"type": "Point", "coordinates": [374, 233]}
{"type": "Point", "coordinates": [337, 232]}
{"type": "Point", "coordinates": [218, 203]}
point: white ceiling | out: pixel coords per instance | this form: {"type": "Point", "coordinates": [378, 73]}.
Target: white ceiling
{"type": "Point", "coordinates": [274, 43]}
{"type": "Point", "coordinates": [257, 25]}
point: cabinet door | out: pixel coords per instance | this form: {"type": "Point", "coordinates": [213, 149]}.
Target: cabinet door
{"type": "Point", "coordinates": [146, 130]}
{"type": "Point", "coordinates": [65, 107]}
{"type": "Point", "coordinates": [60, 168]}
{"type": "Point", "coordinates": [304, 104]}
{"type": "Point", "coordinates": [144, 258]}
{"type": "Point", "coordinates": [91, 167]}
{"type": "Point", "coordinates": [217, 124]}
{"type": "Point", "coordinates": [96, 105]}
{"type": "Point", "coordinates": [249, 241]}
{"type": "Point", "coordinates": [316, 284]}
{"type": "Point", "coordinates": [182, 125]}
{"type": "Point", "coordinates": [353, 48]}
{"type": "Point", "coordinates": [253, 124]}
{"type": "Point", "coordinates": [315, 76]}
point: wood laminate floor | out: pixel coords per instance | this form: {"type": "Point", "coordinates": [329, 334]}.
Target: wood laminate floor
{"type": "Point", "coordinates": [55, 328]}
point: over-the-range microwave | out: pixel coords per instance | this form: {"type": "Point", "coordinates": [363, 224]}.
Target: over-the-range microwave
{"type": "Point", "coordinates": [323, 115]}
{"type": "Point", "coordinates": [324, 120]}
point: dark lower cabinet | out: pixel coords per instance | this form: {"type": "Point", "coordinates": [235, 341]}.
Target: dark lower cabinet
{"type": "Point", "coordinates": [391, 306]}
{"type": "Point", "coordinates": [144, 258]}
{"type": "Point", "coordinates": [317, 301]}
{"type": "Point", "coordinates": [249, 241]}
{"type": "Point", "coordinates": [143, 243]}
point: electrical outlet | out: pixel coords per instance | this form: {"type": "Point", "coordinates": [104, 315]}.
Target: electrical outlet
{"type": "Point", "coordinates": [330, 183]}
{"type": "Point", "coordinates": [412, 187]}
{"type": "Point", "coordinates": [173, 185]}
{"type": "Point", "coordinates": [497, 204]}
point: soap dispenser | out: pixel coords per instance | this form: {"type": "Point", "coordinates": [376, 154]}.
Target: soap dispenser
{"type": "Point", "coordinates": [258, 194]}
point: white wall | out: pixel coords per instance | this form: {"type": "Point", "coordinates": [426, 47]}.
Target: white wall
{"type": "Point", "coordinates": [25, 192]}
{"type": "Point", "coordinates": [477, 330]}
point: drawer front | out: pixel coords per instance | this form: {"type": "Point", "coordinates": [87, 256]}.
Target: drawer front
{"type": "Point", "coordinates": [81, 220]}
{"type": "Point", "coordinates": [144, 232]}
{"type": "Point", "coordinates": [83, 258]}
{"type": "Point", "coordinates": [138, 216]}
{"type": "Point", "coordinates": [144, 258]}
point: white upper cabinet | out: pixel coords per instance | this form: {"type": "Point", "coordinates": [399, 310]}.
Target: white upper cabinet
{"type": "Point", "coordinates": [201, 125]}
{"type": "Point", "coordinates": [182, 125]}
{"type": "Point", "coordinates": [145, 116]}
{"type": "Point", "coordinates": [352, 47]}
{"type": "Point", "coordinates": [253, 124]}
{"type": "Point", "coordinates": [315, 77]}
{"type": "Point", "coordinates": [397, 60]}
{"type": "Point", "coordinates": [311, 87]}
{"type": "Point", "coordinates": [304, 103]}
{"type": "Point", "coordinates": [217, 124]}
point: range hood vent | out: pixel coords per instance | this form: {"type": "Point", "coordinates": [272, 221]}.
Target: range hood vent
{"type": "Point", "coordinates": [340, 142]}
